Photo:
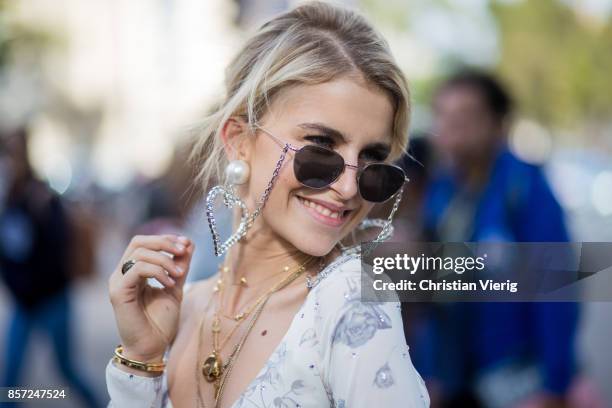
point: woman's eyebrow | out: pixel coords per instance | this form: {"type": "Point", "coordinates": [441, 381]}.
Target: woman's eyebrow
{"type": "Point", "coordinates": [319, 127]}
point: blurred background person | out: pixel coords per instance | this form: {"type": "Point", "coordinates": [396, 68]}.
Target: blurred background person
{"type": "Point", "coordinates": [417, 164]}
{"type": "Point", "coordinates": [492, 354]}
{"type": "Point", "coordinates": [408, 225]}
{"type": "Point", "coordinates": [35, 265]}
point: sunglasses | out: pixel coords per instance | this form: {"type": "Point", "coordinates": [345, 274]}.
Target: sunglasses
{"type": "Point", "coordinates": [318, 167]}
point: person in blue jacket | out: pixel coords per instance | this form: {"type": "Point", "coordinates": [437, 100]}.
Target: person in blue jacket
{"type": "Point", "coordinates": [491, 354]}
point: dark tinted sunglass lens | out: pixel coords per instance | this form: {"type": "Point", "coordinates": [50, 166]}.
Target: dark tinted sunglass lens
{"type": "Point", "coordinates": [317, 167]}
{"type": "Point", "coordinates": [378, 182]}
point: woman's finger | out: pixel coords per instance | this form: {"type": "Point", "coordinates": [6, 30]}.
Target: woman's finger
{"type": "Point", "coordinates": [183, 261]}
{"type": "Point", "coordinates": [169, 243]}
{"type": "Point", "coordinates": [158, 258]}
{"type": "Point", "coordinates": [142, 270]}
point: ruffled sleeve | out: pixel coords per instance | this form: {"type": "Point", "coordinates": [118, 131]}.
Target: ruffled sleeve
{"type": "Point", "coordinates": [364, 356]}
{"type": "Point", "coordinates": [134, 391]}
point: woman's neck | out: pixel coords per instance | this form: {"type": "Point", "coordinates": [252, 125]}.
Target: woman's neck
{"type": "Point", "coordinates": [254, 265]}
{"type": "Point", "coordinates": [261, 255]}
{"type": "Point", "coordinates": [263, 258]}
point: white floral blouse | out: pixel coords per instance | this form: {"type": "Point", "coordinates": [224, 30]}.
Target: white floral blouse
{"type": "Point", "coordinates": [338, 352]}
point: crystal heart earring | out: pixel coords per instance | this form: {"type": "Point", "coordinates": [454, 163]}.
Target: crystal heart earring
{"type": "Point", "coordinates": [237, 172]}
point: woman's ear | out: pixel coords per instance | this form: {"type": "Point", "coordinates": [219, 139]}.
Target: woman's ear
{"type": "Point", "coordinates": [236, 141]}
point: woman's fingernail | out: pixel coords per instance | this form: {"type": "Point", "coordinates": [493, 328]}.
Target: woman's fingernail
{"type": "Point", "coordinates": [179, 270]}
{"type": "Point", "coordinates": [183, 239]}
{"type": "Point", "coordinates": [171, 280]}
{"type": "Point", "coordinates": [180, 247]}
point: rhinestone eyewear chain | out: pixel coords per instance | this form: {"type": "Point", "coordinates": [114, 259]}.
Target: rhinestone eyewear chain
{"type": "Point", "coordinates": [230, 200]}
{"type": "Point", "coordinates": [266, 192]}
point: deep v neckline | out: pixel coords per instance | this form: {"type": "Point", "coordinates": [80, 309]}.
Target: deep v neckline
{"type": "Point", "coordinates": [275, 351]}
{"type": "Point", "coordinates": [342, 258]}
{"type": "Point", "coordinates": [294, 323]}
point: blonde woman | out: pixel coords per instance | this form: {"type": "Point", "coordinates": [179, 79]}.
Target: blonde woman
{"type": "Point", "coordinates": [316, 110]}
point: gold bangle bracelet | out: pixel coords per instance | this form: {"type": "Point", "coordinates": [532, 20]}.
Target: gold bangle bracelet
{"type": "Point", "coordinates": [138, 365]}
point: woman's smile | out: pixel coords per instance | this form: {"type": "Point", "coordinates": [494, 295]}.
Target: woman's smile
{"type": "Point", "coordinates": [326, 213]}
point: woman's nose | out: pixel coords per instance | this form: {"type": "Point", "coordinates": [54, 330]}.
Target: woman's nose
{"type": "Point", "coordinates": [346, 185]}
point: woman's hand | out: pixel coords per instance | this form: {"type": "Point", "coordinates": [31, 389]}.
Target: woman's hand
{"type": "Point", "coordinates": [147, 317]}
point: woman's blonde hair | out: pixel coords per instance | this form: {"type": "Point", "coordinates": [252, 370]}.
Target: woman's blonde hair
{"type": "Point", "coordinates": [311, 44]}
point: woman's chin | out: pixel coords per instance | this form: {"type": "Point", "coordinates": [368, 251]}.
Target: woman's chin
{"type": "Point", "coordinates": [313, 241]}
{"type": "Point", "coordinates": [316, 250]}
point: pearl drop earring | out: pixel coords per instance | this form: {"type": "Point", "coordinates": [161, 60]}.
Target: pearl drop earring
{"type": "Point", "coordinates": [237, 172]}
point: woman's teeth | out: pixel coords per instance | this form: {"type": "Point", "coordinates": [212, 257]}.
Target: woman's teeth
{"type": "Point", "coordinates": [320, 209]}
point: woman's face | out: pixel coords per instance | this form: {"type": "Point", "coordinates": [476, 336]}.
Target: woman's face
{"type": "Point", "coordinates": [346, 115]}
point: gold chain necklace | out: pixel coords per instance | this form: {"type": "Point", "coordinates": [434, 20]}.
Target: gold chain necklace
{"type": "Point", "coordinates": [213, 368]}
{"type": "Point", "coordinates": [199, 351]}
{"type": "Point", "coordinates": [239, 316]}
{"type": "Point", "coordinates": [233, 355]}
{"type": "Point", "coordinates": [238, 347]}
{"type": "Point", "coordinates": [247, 283]}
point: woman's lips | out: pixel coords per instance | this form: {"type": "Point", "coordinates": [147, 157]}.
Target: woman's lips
{"type": "Point", "coordinates": [323, 214]}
